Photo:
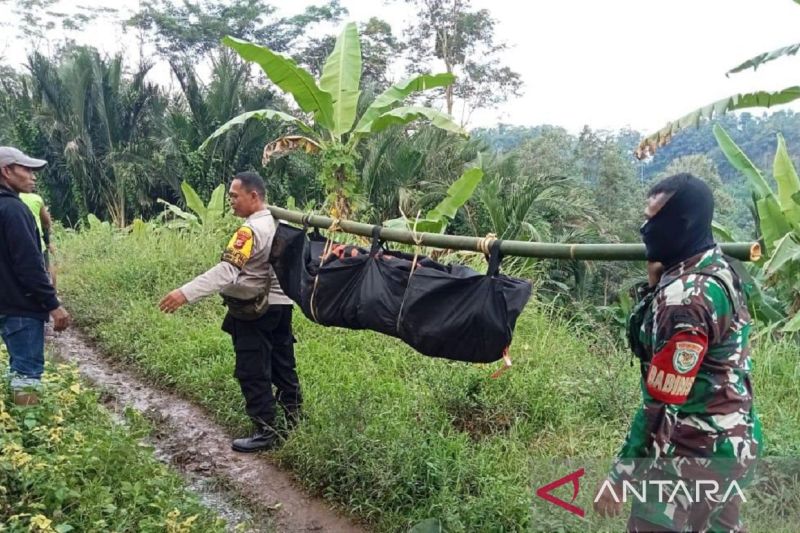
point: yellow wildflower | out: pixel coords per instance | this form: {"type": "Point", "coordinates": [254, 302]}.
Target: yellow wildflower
{"type": "Point", "coordinates": [41, 523]}
{"type": "Point", "coordinates": [20, 459]}
{"type": "Point", "coordinates": [5, 419]}
{"type": "Point", "coordinates": [16, 455]}
{"type": "Point", "coordinates": [174, 526]}
{"type": "Point", "coordinates": [55, 435]}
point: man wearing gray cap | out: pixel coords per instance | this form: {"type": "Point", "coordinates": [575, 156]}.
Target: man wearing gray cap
{"type": "Point", "coordinates": [27, 297]}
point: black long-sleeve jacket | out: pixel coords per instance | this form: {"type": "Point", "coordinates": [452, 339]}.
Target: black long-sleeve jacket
{"type": "Point", "coordinates": [25, 289]}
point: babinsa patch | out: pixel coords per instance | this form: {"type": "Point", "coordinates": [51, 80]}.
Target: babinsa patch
{"type": "Point", "coordinates": [686, 356]}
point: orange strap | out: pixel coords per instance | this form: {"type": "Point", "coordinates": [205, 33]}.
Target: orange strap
{"type": "Point", "coordinates": [506, 365]}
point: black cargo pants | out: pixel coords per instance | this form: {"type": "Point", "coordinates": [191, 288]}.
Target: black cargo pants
{"type": "Point", "coordinates": [265, 357]}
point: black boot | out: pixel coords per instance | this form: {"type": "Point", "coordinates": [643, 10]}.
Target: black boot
{"type": "Point", "coordinates": [263, 438]}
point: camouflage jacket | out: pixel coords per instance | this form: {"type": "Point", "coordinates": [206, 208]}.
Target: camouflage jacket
{"type": "Point", "coordinates": [696, 369]}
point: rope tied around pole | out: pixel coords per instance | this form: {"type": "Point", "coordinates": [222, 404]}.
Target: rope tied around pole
{"type": "Point", "coordinates": [414, 235]}
{"type": "Point", "coordinates": [485, 244]}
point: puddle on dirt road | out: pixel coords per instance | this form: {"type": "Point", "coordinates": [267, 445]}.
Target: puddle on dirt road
{"type": "Point", "coordinates": [219, 475]}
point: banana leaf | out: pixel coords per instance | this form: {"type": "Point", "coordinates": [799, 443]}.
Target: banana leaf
{"type": "Point", "coordinates": [742, 163]}
{"type": "Point", "coordinates": [291, 79]}
{"type": "Point", "coordinates": [788, 183]}
{"type": "Point", "coordinates": [404, 115]}
{"type": "Point", "coordinates": [258, 114]}
{"type": "Point", "coordinates": [651, 143]}
{"type": "Point", "coordinates": [396, 93]}
{"type": "Point", "coordinates": [341, 76]}
{"type": "Point", "coordinates": [766, 57]}
{"type": "Point", "coordinates": [193, 201]}
{"type": "Point", "coordinates": [787, 250]}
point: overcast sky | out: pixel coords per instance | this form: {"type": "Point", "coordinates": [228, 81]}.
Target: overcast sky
{"type": "Point", "coordinates": [608, 64]}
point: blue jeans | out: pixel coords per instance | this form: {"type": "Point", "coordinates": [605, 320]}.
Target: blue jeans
{"type": "Point", "coordinates": [24, 338]}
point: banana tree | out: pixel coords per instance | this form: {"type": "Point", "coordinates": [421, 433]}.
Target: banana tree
{"type": "Point", "coordinates": [331, 106]}
{"type": "Point", "coordinates": [207, 215]}
{"type": "Point", "coordinates": [763, 99]}
{"type": "Point", "coordinates": [778, 217]}
{"type": "Point", "coordinates": [437, 219]}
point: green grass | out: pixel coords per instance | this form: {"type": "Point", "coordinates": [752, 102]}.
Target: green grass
{"type": "Point", "coordinates": [392, 436]}
{"type": "Point", "coordinates": [66, 466]}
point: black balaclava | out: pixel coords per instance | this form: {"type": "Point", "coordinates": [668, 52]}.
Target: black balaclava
{"type": "Point", "coordinates": [682, 228]}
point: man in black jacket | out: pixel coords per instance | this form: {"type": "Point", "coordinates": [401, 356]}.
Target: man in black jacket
{"type": "Point", "coordinates": [27, 297]}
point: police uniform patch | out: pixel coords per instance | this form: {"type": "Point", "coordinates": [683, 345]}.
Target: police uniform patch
{"type": "Point", "coordinates": [242, 236]}
{"type": "Point", "coordinates": [687, 354]}
{"type": "Point", "coordinates": [239, 248]}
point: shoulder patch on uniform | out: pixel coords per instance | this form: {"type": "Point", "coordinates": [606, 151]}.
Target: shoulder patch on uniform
{"type": "Point", "coordinates": [686, 356]}
{"type": "Point", "coordinates": [239, 248]}
{"type": "Point", "coordinates": [673, 369]}
{"type": "Point", "coordinates": [682, 318]}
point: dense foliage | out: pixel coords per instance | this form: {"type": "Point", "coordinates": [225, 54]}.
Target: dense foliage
{"type": "Point", "coordinates": [66, 465]}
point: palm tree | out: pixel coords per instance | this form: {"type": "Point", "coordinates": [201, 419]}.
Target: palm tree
{"type": "Point", "coordinates": [410, 170]}
{"type": "Point", "coordinates": [103, 126]}
{"type": "Point", "coordinates": [520, 205]}
{"type": "Point", "coordinates": [199, 110]}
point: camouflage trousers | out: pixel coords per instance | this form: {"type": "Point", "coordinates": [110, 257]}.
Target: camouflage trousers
{"type": "Point", "coordinates": [697, 517]}
{"type": "Point", "coordinates": [691, 495]}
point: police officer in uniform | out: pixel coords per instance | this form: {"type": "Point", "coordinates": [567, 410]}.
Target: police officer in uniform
{"type": "Point", "coordinates": [262, 339]}
{"type": "Point", "coordinates": [691, 332]}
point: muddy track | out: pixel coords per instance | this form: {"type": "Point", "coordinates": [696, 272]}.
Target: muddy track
{"type": "Point", "coordinates": [266, 488]}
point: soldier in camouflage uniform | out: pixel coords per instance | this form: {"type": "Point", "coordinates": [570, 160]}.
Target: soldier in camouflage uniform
{"type": "Point", "coordinates": [691, 333]}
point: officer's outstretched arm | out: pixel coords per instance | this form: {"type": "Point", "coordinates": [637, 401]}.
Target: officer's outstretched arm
{"type": "Point", "coordinates": [235, 256]}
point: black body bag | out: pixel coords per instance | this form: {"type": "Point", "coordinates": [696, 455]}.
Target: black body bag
{"type": "Point", "coordinates": [448, 311]}
{"type": "Point", "coordinates": [457, 313]}
{"type": "Point", "coordinates": [286, 258]}
{"type": "Point", "coordinates": [353, 288]}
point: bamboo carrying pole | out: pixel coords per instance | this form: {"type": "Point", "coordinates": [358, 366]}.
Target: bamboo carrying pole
{"type": "Point", "coordinates": [744, 251]}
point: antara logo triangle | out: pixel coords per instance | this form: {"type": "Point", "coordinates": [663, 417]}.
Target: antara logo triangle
{"type": "Point", "coordinates": [544, 492]}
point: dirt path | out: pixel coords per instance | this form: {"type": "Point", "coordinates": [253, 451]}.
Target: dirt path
{"type": "Point", "coordinates": [264, 486]}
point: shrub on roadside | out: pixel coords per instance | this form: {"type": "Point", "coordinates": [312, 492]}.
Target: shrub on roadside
{"type": "Point", "coordinates": [65, 465]}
